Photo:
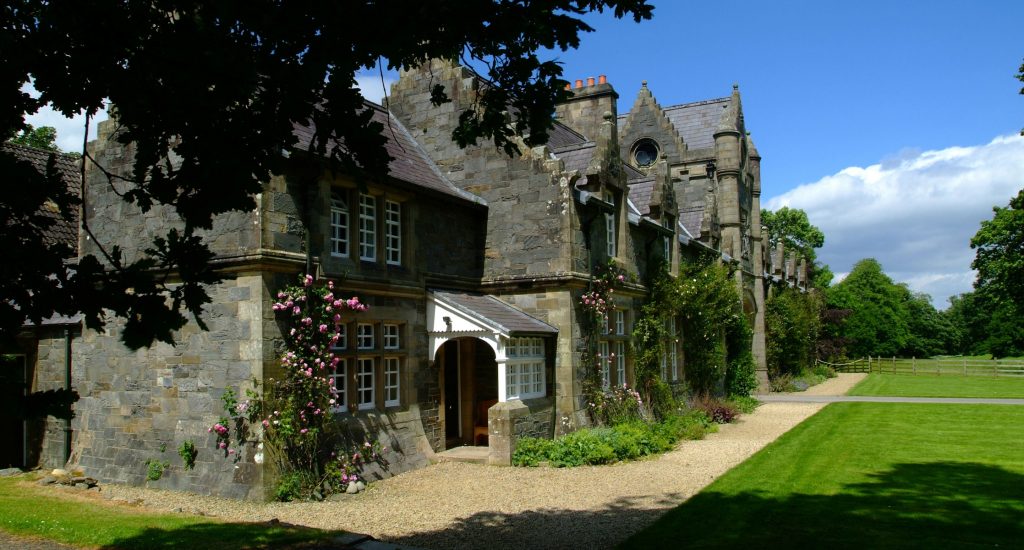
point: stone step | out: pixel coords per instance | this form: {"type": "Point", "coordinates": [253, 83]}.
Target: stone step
{"type": "Point", "coordinates": [474, 455]}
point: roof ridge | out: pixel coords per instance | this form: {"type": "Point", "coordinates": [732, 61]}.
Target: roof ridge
{"type": "Point", "coordinates": [698, 103]}
{"type": "Point", "coordinates": [430, 162]}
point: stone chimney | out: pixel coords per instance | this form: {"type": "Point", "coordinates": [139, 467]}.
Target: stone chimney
{"type": "Point", "coordinates": [584, 111]}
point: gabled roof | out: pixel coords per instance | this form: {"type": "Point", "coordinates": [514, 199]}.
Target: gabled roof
{"type": "Point", "coordinates": [494, 312]}
{"type": "Point", "coordinates": [409, 162]}
{"type": "Point", "coordinates": [696, 122]}
{"type": "Point", "coordinates": [62, 231]}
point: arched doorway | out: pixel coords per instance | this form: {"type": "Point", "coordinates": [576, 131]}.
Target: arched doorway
{"type": "Point", "coordinates": [469, 386]}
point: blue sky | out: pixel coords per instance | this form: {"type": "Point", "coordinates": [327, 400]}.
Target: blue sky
{"type": "Point", "coordinates": [893, 124]}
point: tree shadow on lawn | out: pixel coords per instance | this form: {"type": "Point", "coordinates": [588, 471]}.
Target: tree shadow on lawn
{"type": "Point", "coordinates": [225, 536]}
{"type": "Point", "coordinates": [930, 505]}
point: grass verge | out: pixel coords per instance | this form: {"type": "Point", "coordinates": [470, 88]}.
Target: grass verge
{"type": "Point", "coordinates": [867, 475]}
{"type": "Point", "coordinates": [926, 385]}
{"type": "Point", "coordinates": [33, 511]}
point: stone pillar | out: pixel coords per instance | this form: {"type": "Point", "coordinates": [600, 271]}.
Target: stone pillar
{"type": "Point", "coordinates": [758, 345]}
{"type": "Point", "coordinates": [501, 427]}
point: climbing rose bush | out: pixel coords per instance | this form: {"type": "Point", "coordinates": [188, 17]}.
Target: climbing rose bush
{"type": "Point", "coordinates": [294, 411]}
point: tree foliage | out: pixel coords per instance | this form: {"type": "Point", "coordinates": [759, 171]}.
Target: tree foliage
{"type": "Point", "coordinates": [999, 253]}
{"type": "Point", "coordinates": [44, 137]}
{"type": "Point", "coordinates": [793, 229]}
{"type": "Point", "coordinates": [878, 324]}
{"type": "Point", "coordinates": [218, 86]}
{"type": "Point", "coordinates": [887, 319]}
{"type": "Point", "coordinates": [793, 324]}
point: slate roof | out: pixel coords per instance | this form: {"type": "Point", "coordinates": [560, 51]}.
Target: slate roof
{"type": "Point", "coordinates": [494, 312]}
{"type": "Point", "coordinates": [692, 217]}
{"type": "Point", "coordinates": [409, 162]}
{"type": "Point", "coordinates": [640, 192]}
{"type": "Point", "coordinates": [577, 158]}
{"type": "Point", "coordinates": [562, 136]}
{"type": "Point", "coordinates": [62, 231]}
{"type": "Point", "coordinates": [697, 122]}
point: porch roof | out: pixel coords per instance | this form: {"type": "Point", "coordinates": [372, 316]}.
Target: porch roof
{"type": "Point", "coordinates": [492, 312]}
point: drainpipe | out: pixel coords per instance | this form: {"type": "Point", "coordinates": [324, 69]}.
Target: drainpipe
{"type": "Point", "coordinates": [67, 386]}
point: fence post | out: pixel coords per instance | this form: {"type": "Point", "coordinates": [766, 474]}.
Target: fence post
{"type": "Point", "coordinates": [894, 364]}
{"type": "Point", "coordinates": [913, 363]}
{"type": "Point", "coordinates": [965, 366]}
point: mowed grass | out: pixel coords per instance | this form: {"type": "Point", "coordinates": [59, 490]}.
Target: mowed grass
{"type": "Point", "coordinates": [29, 510]}
{"type": "Point", "coordinates": [867, 475]}
{"type": "Point", "coordinates": [929, 385]}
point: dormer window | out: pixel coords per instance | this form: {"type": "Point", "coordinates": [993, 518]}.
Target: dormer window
{"type": "Point", "coordinates": [645, 153]}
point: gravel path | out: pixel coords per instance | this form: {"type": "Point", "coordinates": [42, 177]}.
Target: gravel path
{"type": "Point", "coordinates": [458, 505]}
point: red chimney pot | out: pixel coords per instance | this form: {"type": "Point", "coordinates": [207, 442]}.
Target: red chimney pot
{"type": "Point", "coordinates": [590, 81]}
{"type": "Point", "coordinates": [579, 83]}
{"type": "Point", "coordinates": [602, 79]}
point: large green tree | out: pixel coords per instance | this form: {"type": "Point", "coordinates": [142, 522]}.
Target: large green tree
{"type": "Point", "coordinates": [220, 85]}
{"type": "Point", "coordinates": [878, 323]}
{"type": "Point", "coordinates": [999, 253]}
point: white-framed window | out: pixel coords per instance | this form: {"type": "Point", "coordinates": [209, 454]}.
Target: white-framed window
{"type": "Point", "coordinates": [524, 370]}
{"type": "Point", "coordinates": [342, 343]}
{"type": "Point", "coordinates": [367, 228]}
{"type": "Point", "coordinates": [365, 336]}
{"type": "Point", "coordinates": [609, 225]}
{"type": "Point", "coordinates": [604, 356]}
{"type": "Point", "coordinates": [393, 232]}
{"type": "Point", "coordinates": [620, 362]}
{"type": "Point", "coordinates": [365, 383]}
{"type": "Point", "coordinates": [392, 382]}
{"type": "Point", "coordinates": [339, 379]}
{"type": "Point", "coordinates": [391, 337]}
{"type": "Point", "coordinates": [339, 225]}
{"type": "Point", "coordinates": [620, 322]}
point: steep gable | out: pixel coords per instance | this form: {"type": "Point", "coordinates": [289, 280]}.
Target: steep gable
{"type": "Point", "coordinates": [647, 120]}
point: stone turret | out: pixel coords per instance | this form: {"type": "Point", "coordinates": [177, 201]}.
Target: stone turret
{"type": "Point", "coordinates": [758, 343]}
{"type": "Point", "coordinates": [728, 163]}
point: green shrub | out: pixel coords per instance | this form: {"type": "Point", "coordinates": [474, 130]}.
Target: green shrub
{"type": "Point", "coordinates": [741, 375]}
{"type": "Point", "coordinates": [294, 485]}
{"type": "Point", "coordinates": [531, 451]}
{"type": "Point", "coordinates": [781, 383]}
{"type": "Point", "coordinates": [582, 447]}
{"type": "Point", "coordinates": [721, 412]}
{"type": "Point", "coordinates": [744, 404]}
{"type": "Point", "coordinates": [155, 468]}
{"type": "Point", "coordinates": [824, 371]}
{"type": "Point", "coordinates": [626, 441]}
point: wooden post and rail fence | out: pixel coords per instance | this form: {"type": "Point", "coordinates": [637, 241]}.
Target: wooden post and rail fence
{"type": "Point", "coordinates": [961, 366]}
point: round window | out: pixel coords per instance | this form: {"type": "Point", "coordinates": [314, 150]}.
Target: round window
{"type": "Point", "coordinates": [645, 153]}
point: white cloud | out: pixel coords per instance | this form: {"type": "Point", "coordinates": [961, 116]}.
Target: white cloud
{"type": "Point", "coordinates": [372, 87]}
{"type": "Point", "coordinates": [915, 212]}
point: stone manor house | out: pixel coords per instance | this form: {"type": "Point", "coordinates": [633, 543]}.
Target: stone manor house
{"type": "Point", "coordinates": [472, 264]}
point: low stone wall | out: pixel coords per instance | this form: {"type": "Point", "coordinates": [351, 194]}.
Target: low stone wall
{"type": "Point", "coordinates": [511, 420]}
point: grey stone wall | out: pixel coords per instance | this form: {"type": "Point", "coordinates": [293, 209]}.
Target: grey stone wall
{"type": "Point", "coordinates": [46, 446]}
{"type": "Point", "coordinates": [537, 422]}
{"type": "Point", "coordinates": [115, 222]}
{"type": "Point", "coordinates": [135, 403]}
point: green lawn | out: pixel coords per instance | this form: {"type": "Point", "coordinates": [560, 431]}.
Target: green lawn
{"type": "Point", "coordinates": [929, 385]}
{"type": "Point", "coordinates": [867, 475]}
{"type": "Point", "coordinates": [26, 509]}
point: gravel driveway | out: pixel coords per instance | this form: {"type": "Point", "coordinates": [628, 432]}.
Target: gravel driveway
{"type": "Point", "coordinates": [458, 505]}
